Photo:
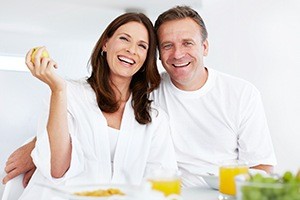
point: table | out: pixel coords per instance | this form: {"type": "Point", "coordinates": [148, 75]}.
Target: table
{"type": "Point", "coordinates": [192, 193]}
{"type": "Point", "coordinates": [199, 193]}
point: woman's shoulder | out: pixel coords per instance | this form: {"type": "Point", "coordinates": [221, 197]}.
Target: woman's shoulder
{"type": "Point", "coordinates": [79, 84]}
{"type": "Point", "coordinates": [78, 88]}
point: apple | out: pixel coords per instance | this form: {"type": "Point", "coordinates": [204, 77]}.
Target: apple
{"type": "Point", "coordinates": [45, 54]}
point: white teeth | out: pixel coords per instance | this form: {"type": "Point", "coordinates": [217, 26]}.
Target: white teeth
{"type": "Point", "coordinates": [181, 64]}
{"type": "Point", "coordinates": [127, 60]}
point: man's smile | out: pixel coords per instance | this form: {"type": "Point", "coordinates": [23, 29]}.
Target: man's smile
{"type": "Point", "coordinates": [181, 64]}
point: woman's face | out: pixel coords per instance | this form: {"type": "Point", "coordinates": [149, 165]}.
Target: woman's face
{"type": "Point", "coordinates": [126, 50]}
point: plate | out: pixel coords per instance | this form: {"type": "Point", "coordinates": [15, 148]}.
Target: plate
{"type": "Point", "coordinates": [211, 180]}
{"type": "Point", "coordinates": [69, 191]}
{"type": "Point", "coordinates": [132, 192]}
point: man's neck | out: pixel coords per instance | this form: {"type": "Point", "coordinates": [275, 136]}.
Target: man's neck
{"type": "Point", "coordinates": [196, 83]}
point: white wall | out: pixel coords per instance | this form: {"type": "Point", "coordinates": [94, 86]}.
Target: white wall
{"type": "Point", "coordinates": [19, 106]}
{"type": "Point", "coordinates": [256, 40]}
{"type": "Point", "coordinates": [260, 42]}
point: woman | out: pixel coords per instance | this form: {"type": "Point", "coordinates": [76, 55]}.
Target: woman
{"type": "Point", "coordinates": [103, 129]}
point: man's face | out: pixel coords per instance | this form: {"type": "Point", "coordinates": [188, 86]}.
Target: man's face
{"type": "Point", "coordinates": [181, 52]}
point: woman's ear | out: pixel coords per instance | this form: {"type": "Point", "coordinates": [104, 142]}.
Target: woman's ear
{"type": "Point", "coordinates": [104, 47]}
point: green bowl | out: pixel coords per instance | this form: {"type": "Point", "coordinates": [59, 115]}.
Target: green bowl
{"type": "Point", "coordinates": [266, 191]}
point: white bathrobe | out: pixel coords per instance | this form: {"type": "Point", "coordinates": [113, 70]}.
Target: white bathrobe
{"type": "Point", "coordinates": [140, 148]}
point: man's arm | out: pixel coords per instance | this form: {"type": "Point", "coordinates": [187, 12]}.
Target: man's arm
{"type": "Point", "coordinates": [20, 162]}
{"type": "Point", "coordinates": [266, 168]}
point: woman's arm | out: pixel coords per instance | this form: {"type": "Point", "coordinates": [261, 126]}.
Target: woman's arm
{"type": "Point", "coordinates": [57, 126]}
{"type": "Point", "coordinates": [59, 138]}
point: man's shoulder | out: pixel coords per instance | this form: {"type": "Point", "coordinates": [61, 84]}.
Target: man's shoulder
{"type": "Point", "coordinates": [156, 109]}
{"type": "Point", "coordinates": [234, 83]}
{"type": "Point", "coordinates": [230, 78]}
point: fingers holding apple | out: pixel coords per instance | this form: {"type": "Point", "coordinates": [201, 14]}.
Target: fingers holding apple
{"type": "Point", "coordinates": [37, 55]}
{"type": "Point", "coordinates": [38, 60]}
{"type": "Point", "coordinates": [43, 53]}
{"type": "Point", "coordinates": [42, 67]}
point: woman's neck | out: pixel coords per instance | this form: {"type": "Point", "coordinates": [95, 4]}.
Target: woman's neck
{"type": "Point", "coordinates": [121, 89]}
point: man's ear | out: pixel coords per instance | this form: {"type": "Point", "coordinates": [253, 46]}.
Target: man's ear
{"type": "Point", "coordinates": [205, 47]}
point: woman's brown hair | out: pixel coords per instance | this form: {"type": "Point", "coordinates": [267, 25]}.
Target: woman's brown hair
{"type": "Point", "coordinates": [143, 81]}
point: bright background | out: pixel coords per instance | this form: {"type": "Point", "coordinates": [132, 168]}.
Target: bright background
{"type": "Point", "coordinates": [252, 39]}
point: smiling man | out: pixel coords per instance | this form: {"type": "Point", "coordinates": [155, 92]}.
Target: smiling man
{"type": "Point", "coordinates": [176, 38]}
{"type": "Point", "coordinates": [214, 117]}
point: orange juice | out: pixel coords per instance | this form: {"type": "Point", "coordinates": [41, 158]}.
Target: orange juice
{"type": "Point", "coordinates": [172, 186]}
{"type": "Point", "coordinates": [226, 176]}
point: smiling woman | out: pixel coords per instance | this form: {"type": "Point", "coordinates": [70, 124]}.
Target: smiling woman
{"type": "Point", "coordinates": [103, 129]}
{"type": "Point", "coordinates": [129, 44]}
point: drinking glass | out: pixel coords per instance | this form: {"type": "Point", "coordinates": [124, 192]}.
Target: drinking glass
{"type": "Point", "coordinates": [227, 172]}
{"type": "Point", "coordinates": [166, 181]}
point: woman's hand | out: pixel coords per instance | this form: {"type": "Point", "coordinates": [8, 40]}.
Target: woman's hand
{"type": "Point", "coordinates": [43, 69]}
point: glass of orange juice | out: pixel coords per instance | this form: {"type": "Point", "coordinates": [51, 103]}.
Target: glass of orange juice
{"type": "Point", "coordinates": [227, 172]}
{"type": "Point", "coordinates": [167, 182]}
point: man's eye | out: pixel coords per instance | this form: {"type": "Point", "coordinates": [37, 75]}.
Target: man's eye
{"type": "Point", "coordinates": [188, 43]}
{"type": "Point", "coordinates": [167, 46]}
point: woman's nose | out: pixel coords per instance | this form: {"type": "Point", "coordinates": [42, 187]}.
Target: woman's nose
{"type": "Point", "coordinates": [131, 49]}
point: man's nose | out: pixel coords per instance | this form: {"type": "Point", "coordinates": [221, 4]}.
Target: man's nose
{"type": "Point", "coordinates": [178, 52]}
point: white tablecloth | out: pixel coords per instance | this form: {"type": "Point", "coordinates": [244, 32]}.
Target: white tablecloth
{"type": "Point", "coordinates": [198, 193]}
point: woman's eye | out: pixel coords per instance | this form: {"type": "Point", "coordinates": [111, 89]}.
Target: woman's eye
{"type": "Point", "coordinates": [143, 46]}
{"type": "Point", "coordinates": [123, 38]}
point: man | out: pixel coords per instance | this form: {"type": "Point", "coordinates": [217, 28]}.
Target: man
{"type": "Point", "coordinates": [215, 118]}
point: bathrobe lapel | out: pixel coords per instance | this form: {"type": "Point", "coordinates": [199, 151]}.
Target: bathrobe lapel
{"type": "Point", "coordinates": [100, 140]}
{"type": "Point", "coordinates": [127, 130]}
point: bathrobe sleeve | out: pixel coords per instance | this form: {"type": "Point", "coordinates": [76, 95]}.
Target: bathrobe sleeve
{"type": "Point", "coordinates": [41, 154]}
{"type": "Point", "coordinates": [162, 153]}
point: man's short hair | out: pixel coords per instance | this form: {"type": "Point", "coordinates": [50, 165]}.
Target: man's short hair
{"type": "Point", "coordinates": [181, 12]}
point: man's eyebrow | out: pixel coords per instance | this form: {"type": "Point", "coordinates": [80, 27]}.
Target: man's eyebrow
{"type": "Point", "coordinates": [187, 39]}
{"type": "Point", "coordinates": [165, 42]}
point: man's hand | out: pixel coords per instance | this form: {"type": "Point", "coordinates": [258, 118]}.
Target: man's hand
{"type": "Point", "coordinates": [266, 168]}
{"type": "Point", "coordinates": [20, 162]}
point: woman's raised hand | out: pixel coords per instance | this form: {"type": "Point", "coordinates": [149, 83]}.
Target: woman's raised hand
{"type": "Point", "coordinates": [42, 67]}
